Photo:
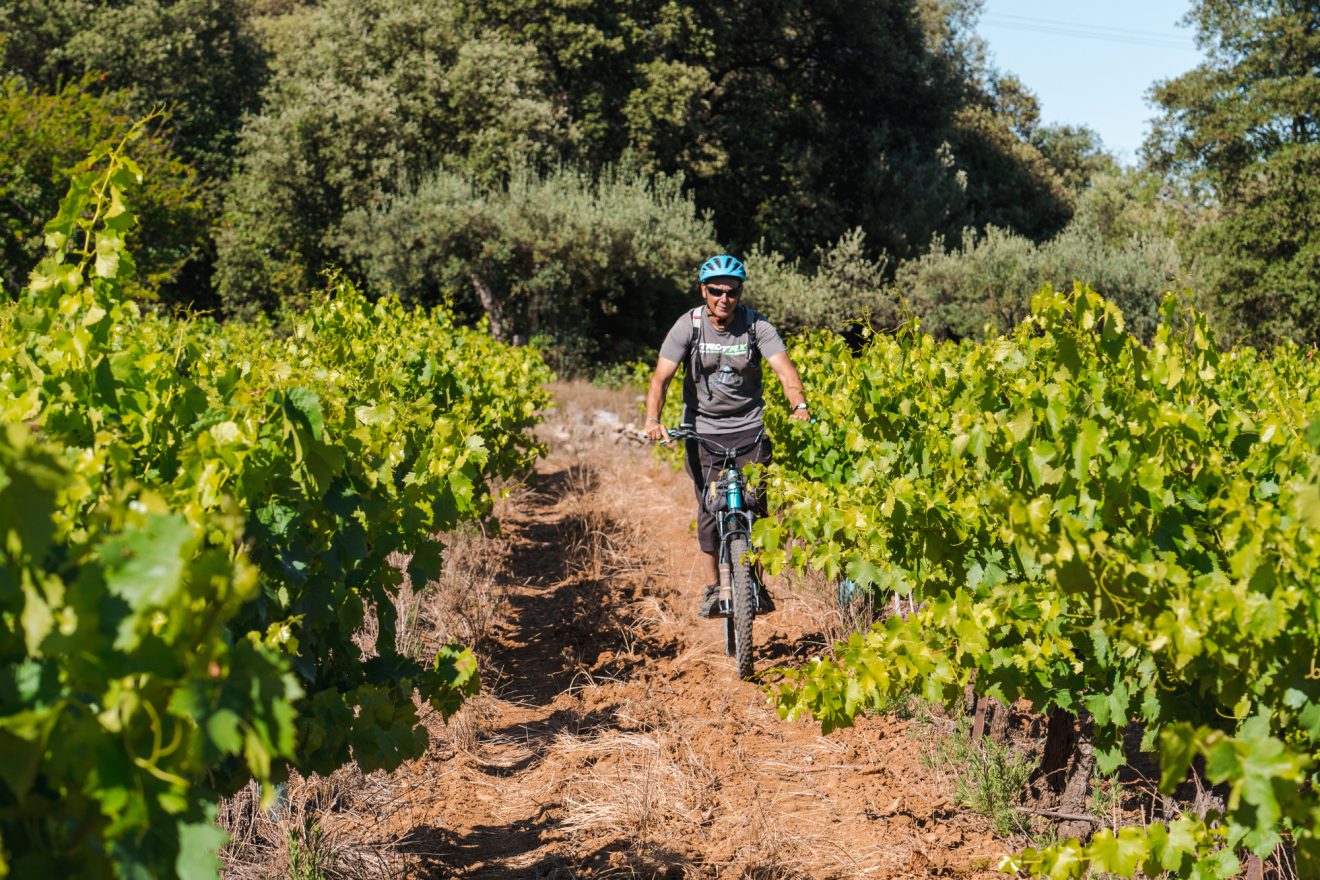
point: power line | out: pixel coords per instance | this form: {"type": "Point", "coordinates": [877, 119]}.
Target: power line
{"type": "Point", "coordinates": [1087, 32]}
{"type": "Point", "coordinates": [1104, 28]}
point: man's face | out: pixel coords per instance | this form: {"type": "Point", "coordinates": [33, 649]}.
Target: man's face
{"type": "Point", "coordinates": [722, 295]}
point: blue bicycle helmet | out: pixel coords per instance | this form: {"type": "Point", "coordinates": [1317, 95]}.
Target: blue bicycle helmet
{"type": "Point", "coordinates": [723, 266]}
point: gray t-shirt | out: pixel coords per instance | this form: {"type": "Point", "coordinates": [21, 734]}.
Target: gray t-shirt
{"type": "Point", "coordinates": [725, 394]}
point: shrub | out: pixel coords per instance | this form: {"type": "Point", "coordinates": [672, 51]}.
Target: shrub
{"type": "Point", "coordinates": [591, 267]}
{"type": "Point", "coordinates": [989, 279]}
{"type": "Point", "coordinates": [846, 286]}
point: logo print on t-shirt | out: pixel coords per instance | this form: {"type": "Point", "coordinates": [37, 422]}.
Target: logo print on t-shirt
{"type": "Point", "coordinates": [721, 348]}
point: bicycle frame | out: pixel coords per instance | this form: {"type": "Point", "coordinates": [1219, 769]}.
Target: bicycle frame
{"type": "Point", "coordinates": [736, 518]}
{"type": "Point", "coordinates": [740, 589]}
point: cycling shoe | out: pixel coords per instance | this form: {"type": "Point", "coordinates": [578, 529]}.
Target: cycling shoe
{"type": "Point", "coordinates": [710, 603]}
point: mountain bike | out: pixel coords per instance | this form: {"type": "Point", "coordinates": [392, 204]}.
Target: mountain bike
{"type": "Point", "coordinates": [732, 501]}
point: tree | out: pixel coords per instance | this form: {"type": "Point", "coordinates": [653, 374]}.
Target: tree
{"type": "Point", "coordinates": [1240, 133]}
{"type": "Point", "coordinates": [858, 114]}
{"type": "Point", "coordinates": [200, 58]}
{"type": "Point", "coordinates": [792, 121]}
{"type": "Point", "coordinates": [1075, 154]}
{"type": "Point", "coordinates": [1261, 259]}
{"type": "Point", "coordinates": [589, 265]}
{"type": "Point", "coordinates": [42, 136]}
{"type": "Point", "coordinates": [807, 94]}
{"type": "Point", "coordinates": [366, 98]}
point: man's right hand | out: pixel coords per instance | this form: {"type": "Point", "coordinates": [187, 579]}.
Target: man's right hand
{"type": "Point", "coordinates": [657, 432]}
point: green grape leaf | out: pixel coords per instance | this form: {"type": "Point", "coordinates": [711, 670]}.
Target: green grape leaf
{"type": "Point", "coordinates": [1177, 748]}
{"type": "Point", "coordinates": [145, 566]}
{"type": "Point", "coordinates": [1120, 853]}
{"type": "Point", "coordinates": [305, 405]}
{"type": "Point", "coordinates": [23, 749]}
{"type": "Point", "coordinates": [199, 845]}
{"type": "Point", "coordinates": [862, 571]}
{"type": "Point", "coordinates": [223, 729]}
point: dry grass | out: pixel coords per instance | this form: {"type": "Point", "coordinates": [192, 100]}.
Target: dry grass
{"type": "Point", "coordinates": [652, 790]}
{"type": "Point", "coordinates": [663, 794]}
{"type": "Point", "coordinates": [639, 784]}
{"type": "Point", "coordinates": [463, 604]}
{"type": "Point", "coordinates": [309, 829]}
{"type": "Point", "coordinates": [769, 852]}
{"type": "Point", "coordinates": [460, 606]}
{"type": "Point", "coordinates": [601, 544]}
{"type": "Point", "coordinates": [649, 619]}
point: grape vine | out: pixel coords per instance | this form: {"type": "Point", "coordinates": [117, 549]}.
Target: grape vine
{"type": "Point", "coordinates": [1091, 524]}
{"type": "Point", "coordinates": [198, 519]}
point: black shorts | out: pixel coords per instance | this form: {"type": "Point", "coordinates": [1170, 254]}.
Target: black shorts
{"type": "Point", "coordinates": [703, 467]}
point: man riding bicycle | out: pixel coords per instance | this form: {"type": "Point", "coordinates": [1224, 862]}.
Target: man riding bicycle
{"type": "Point", "coordinates": [722, 343]}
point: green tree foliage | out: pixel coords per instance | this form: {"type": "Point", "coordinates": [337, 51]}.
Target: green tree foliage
{"type": "Point", "coordinates": [576, 260]}
{"type": "Point", "coordinates": [1006, 181]}
{"type": "Point", "coordinates": [1240, 131]}
{"type": "Point", "coordinates": [622, 73]}
{"type": "Point", "coordinates": [1072, 155]}
{"type": "Point", "coordinates": [1131, 201]}
{"type": "Point", "coordinates": [1075, 154]}
{"type": "Point", "coordinates": [200, 58]}
{"type": "Point", "coordinates": [803, 90]}
{"type": "Point", "coordinates": [365, 95]}
{"type": "Point", "coordinates": [1261, 258]}
{"type": "Point", "coordinates": [42, 136]}
{"type": "Point", "coordinates": [1013, 171]}
{"type": "Point", "coordinates": [760, 108]}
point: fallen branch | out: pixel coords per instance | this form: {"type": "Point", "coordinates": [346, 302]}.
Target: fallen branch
{"type": "Point", "coordinates": [1056, 814]}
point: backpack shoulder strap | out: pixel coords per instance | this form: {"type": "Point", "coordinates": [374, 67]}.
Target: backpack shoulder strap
{"type": "Point", "coordinates": [694, 360]}
{"type": "Point", "coordinates": [753, 352]}
{"type": "Point", "coordinates": [693, 347]}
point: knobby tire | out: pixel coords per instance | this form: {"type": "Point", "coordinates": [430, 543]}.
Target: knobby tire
{"type": "Point", "coordinates": [744, 604]}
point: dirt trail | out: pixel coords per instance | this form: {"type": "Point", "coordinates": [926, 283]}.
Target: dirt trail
{"type": "Point", "coordinates": [613, 738]}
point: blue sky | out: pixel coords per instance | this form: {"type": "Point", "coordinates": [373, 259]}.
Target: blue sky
{"type": "Point", "coordinates": [1092, 63]}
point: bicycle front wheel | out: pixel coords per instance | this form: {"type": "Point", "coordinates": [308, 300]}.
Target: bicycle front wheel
{"type": "Point", "coordinates": [744, 603]}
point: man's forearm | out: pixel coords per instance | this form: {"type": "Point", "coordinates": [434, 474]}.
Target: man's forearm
{"type": "Point", "coordinates": [789, 379]}
{"type": "Point", "coordinates": [792, 383]}
{"type": "Point", "coordinates": [655, 398]}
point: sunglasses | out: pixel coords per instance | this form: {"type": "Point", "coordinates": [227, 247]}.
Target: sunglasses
{"type": "Point", "coordinates": [730, 292]}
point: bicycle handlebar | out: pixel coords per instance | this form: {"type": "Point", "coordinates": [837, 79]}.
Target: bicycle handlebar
{"type": "Point", "coordinates": [686, 433]}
